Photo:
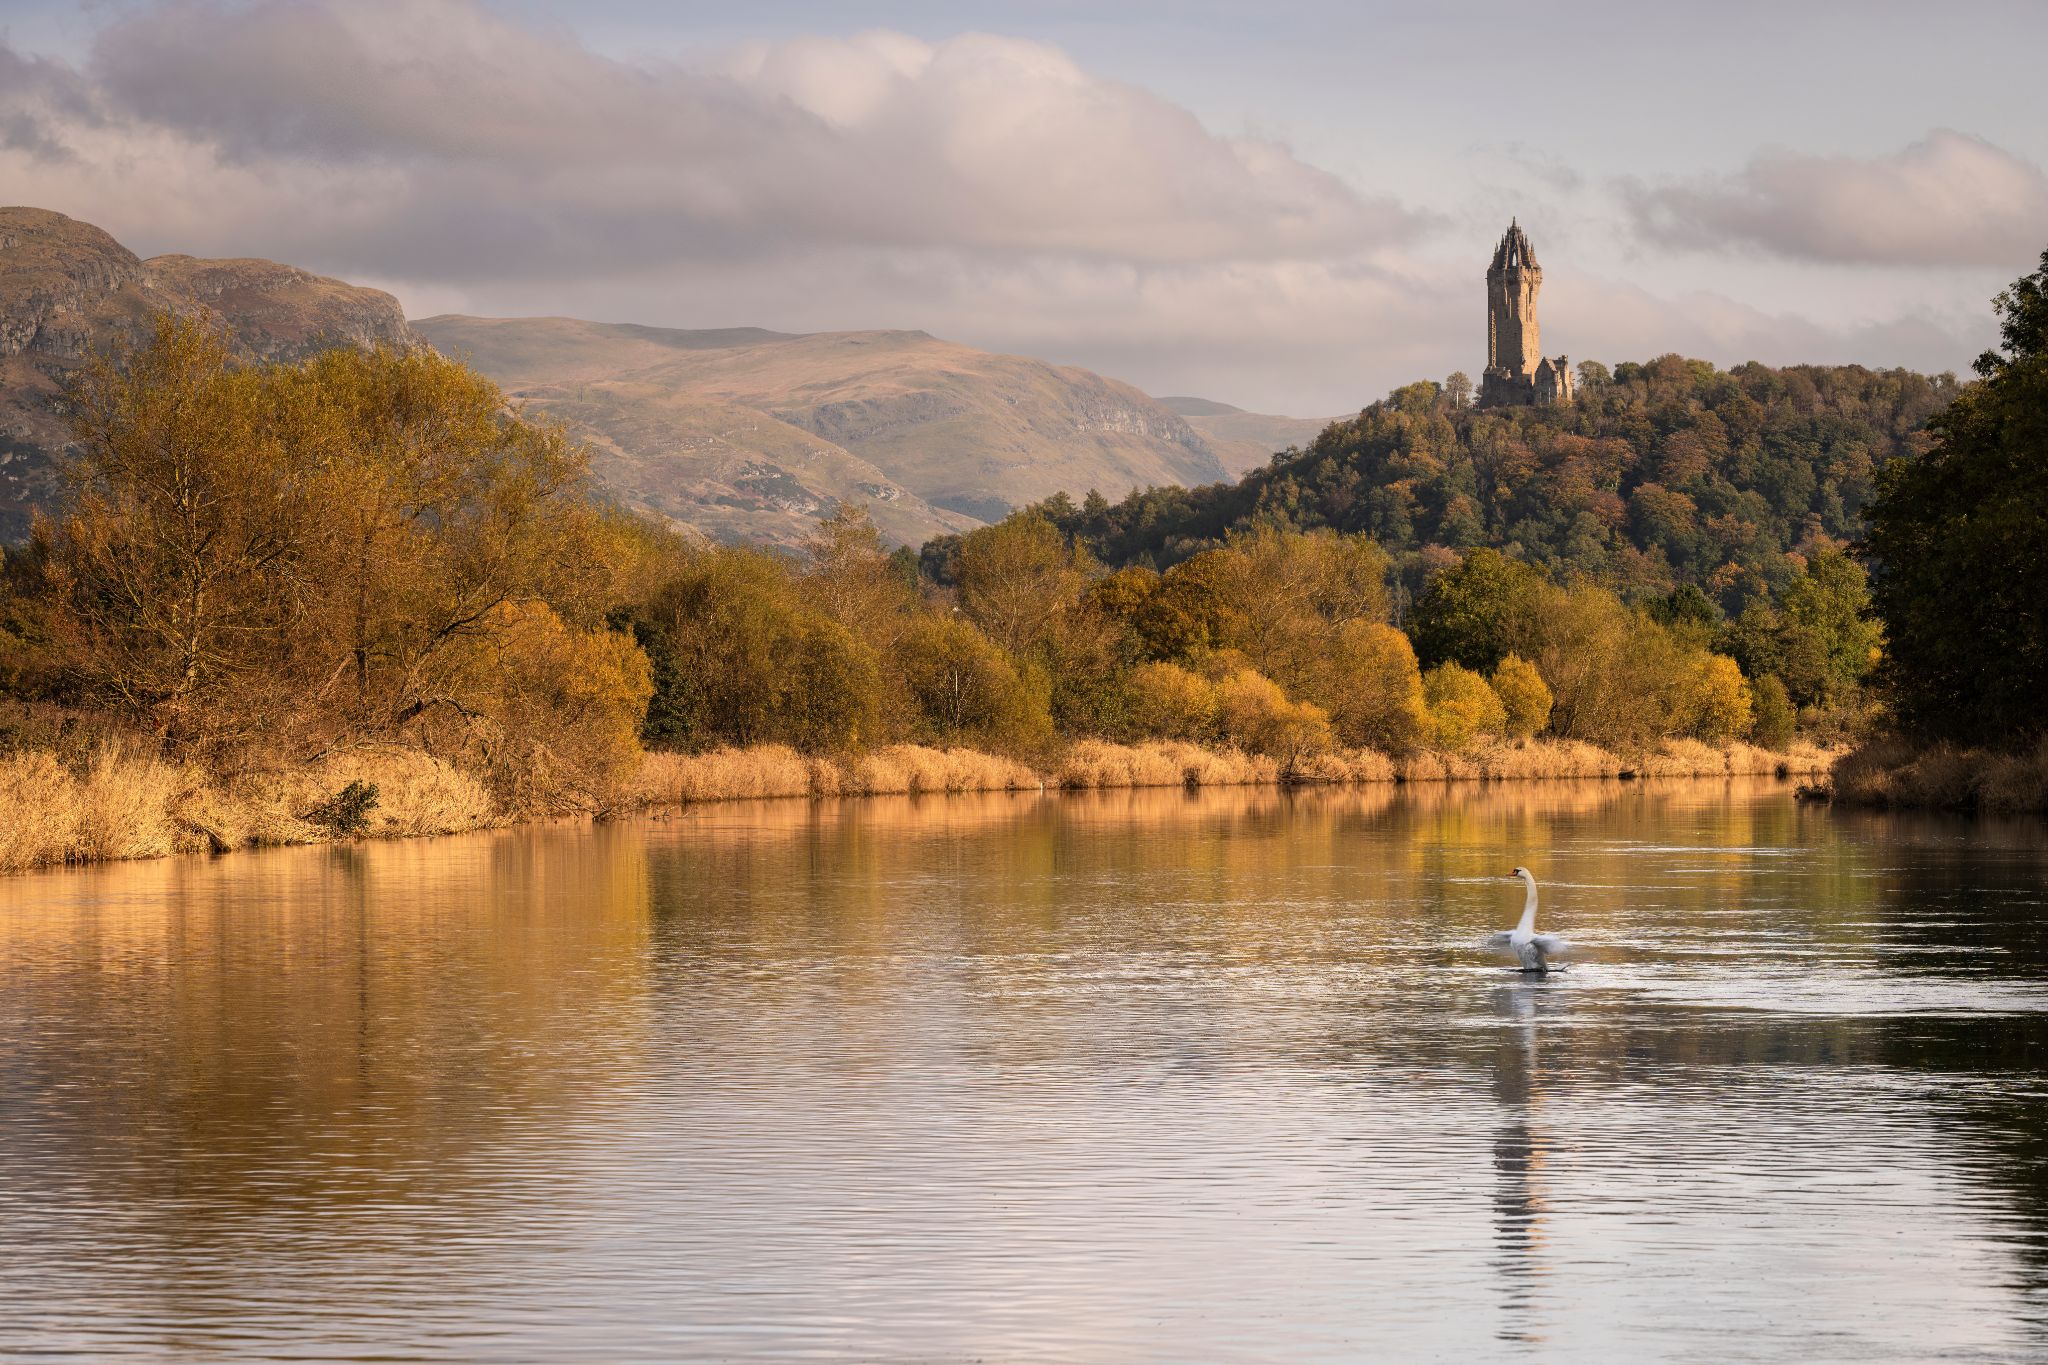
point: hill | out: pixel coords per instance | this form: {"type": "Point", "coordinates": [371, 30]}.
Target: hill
{"type": "Point", "coordinates": [67, 289]}
{"type": "Point", "coordinates": [1243, 440]}
{"type": "Point", "coordinates": [1662, 474]}
{"type": "Point", "coordinates": [748, 433]}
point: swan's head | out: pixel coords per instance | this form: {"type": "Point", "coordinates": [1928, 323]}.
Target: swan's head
{"type": "Point", "coordinates": [1522, 872]}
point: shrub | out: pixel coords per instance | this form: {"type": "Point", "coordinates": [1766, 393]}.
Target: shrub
{"type": "Point", "coordinates": [1461, 706]}
{"type": "Point", "coordinates": [346, 814]}
{"type": "Point", "coordinates": [1169, 702]}
{"type": "Point", "coordinates": [1524, 697]}
{"type": "Point", "coordinates": [556, 712]}
{"type": "Point", "coordinates": [1714, 703]}
{"type": "Point", "coordinates": [1254, 714]}
{"type": "Point", "coordinates": [1368, 683]}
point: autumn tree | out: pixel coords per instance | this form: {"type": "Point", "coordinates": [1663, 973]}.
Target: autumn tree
{"type": "Point", "coordinates": [1461, 706]}
{"type": "Point", "coordinates": [969, 690]}
{"type": "Point", "coordinates": [1017, 578]}
{"type": "Point", "coordinates": [1524, 697]}
{"type": "Point", "coordinates": [183, 560]}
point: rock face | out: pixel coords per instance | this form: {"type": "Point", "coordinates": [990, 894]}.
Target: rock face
{"type": "Point", "coordinates": [741, 432]}
{"type": "Point", "coordinates": [68, 290]}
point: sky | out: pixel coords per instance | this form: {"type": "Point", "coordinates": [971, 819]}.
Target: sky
{"type": "Point", "coordinates": [1286, 206]}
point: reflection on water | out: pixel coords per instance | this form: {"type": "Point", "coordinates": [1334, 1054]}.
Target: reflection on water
{"type": "Point", "coordinates": [1124, 1075]}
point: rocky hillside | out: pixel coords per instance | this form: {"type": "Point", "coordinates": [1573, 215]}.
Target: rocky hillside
{"type": "Point", "coordinates": [748, 433]}
{"type": "Point", "coordinates": [68, 289]}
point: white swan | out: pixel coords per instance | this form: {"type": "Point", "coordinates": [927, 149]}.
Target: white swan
{"type": "Point", "coordinates": [1532, 949]}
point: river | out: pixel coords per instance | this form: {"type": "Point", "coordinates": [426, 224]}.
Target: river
{"type": "Point", "coordinates": [1151, 1076]}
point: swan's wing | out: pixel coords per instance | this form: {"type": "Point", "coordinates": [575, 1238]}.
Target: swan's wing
{"type": "Point", "coordinates": [1501, 942]}
{"type": "Point", "coordinates": [1550, 945]}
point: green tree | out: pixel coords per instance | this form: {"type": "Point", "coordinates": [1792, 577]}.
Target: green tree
{"type": "Point", "coordinates": [739, 659]}
{"type": "Point", "coordinates": [1477, 611]}
{"type": "Point", "coordinates": [1831, 602]}
{"type": "Point", "coordinates": [1772, 720]}
{"type": "Point", "coordinates": [1960, 538]}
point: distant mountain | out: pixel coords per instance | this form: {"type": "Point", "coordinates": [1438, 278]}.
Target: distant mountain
{"type": "Point", "coordinates": [748, 434]}
{"type": "Point", "coordinates": [741, 433]}
{"type": "Point", "coordinates": [1242, 440]}
{"type": "Point", "coordinates": [68, 289]}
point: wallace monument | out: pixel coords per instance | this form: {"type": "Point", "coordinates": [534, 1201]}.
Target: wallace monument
{"type": "Point", "coordinates": [1517, 372]}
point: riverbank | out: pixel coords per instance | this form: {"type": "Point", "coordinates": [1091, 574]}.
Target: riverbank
{"type": "Point", "coordinates": [1897, 774]}
{"type": "Point", "coordinates": [121, 802]}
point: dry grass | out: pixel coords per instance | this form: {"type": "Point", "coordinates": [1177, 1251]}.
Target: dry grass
{"type": "Point", "coordinates": [723, 775]}
{"type": "Point", "coordinates": [119, 801]}
{"type": "Point", "coordinates": [1095, 763]}
{"type": "Point", "coordinates": [1893, 772]}
{"type": "Point", "coordinates": [914, 769]}
{"type": "Point", "coordinates": [119, 806]}
{"type": "Point", "coordinates": [1343, 766]}
{"type": "Point", "coordinates": [772, 770]}
{"type": "Point", "coordinates": [122, 803]}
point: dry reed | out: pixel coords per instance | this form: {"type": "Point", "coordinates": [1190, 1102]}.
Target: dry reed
{"type": "Point", "coordinates": [1894, 772]}
{"type": "Point", "coordinates": [1093, 763]}
{"type": "Point", "coordinates": [118, 802]}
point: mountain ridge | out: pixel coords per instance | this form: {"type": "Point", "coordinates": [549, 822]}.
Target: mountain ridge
{"type": "Point", "coordinates": [742, 433]}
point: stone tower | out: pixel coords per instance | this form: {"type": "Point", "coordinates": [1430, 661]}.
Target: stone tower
{"type": "Point", "coordinates": [1517, 371]}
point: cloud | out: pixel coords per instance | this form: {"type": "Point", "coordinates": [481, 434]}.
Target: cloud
{"type": "Point", "coordinates": [983, 188]}
{"type": "Point", "coordinates": [1949, 199]}
{"type": "Point", "coordinates": [493, 147]}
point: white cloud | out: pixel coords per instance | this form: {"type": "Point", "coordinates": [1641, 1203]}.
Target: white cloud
{"type": "Point", "coordinates": [984, 188]}
{"type": "Point", "coordinates": [1947, 200]}
{"type": "Point", "coordinates": [495, 148]}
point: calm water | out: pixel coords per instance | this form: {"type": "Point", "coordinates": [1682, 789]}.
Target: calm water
{"type": "Point", "coordinates": [1130, 1077]}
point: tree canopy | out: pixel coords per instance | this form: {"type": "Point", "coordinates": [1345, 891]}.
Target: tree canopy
{"type": "Point", "coordinates": [1959, 537]}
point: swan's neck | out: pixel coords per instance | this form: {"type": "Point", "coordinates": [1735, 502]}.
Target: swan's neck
{"type": "Point", "coordinates": [1528, 924]}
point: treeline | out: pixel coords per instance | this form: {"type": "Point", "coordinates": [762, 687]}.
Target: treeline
{"type": "Point", "coordinates": [1277, 642]}
{"type": "Point", "coordinates": [268, 565]}
{"type": "Point", "coordinates": [1660, 476]}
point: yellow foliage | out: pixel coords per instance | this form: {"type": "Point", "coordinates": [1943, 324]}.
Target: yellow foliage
{"type": "Point", "coordinates": [1461, 706]}
{"type": "Point", "coordinates": [1368, 683]}
{"type": "Point", "coordinates": [1254, 714]}
{"type": "Point", "coordinates": [1524, 696]}
{"type": "Point", "coordinates": [1170, 702]}
{"type": "Point", "coordinates": [1713, 702]}
{"type": "Point", "coordinates": [559, 711]}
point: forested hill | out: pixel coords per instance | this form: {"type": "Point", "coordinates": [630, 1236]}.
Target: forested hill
{"type": "Point", "coordinates": [1661, 474]}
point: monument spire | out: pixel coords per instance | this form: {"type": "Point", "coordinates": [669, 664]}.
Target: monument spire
{"type": "Point", "coordinates": [1517, 371]}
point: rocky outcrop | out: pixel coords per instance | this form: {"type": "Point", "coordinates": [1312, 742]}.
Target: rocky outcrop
{"type": "Point", "coordinates": [279, 312]}
{"type": "Point", "coordinates": [68, 290]}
